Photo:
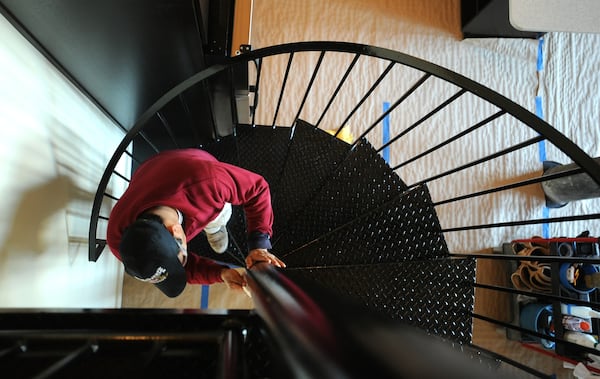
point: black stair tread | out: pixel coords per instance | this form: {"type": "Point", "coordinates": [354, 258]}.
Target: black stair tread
{"type": "Point", "coordinates": [406, 228]}
{"type": "Point", "coordinates": [434, 295]}
{"type": "Point", "coordinates": [224, 149]}
{"type": "Point", "coordinates": [263, 150]}
{"type": "Point", "coordinates": [313, 156]}
{"type": "Point", "coordinates": [360, 183]}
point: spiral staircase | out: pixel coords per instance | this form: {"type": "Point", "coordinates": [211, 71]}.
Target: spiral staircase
{"type": "Point", "coordinates": [372, 286]}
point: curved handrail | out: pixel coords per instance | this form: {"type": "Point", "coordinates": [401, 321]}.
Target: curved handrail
{"type": "Point", "coordinates": [568, 147]}
{"type": "Point", "coordinates": [322, 340]}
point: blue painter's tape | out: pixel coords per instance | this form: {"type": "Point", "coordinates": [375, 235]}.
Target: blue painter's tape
{"type": "Point", "coordinates": [539, 111]}
{"type": "Point", "coordinates": [539, 107]}
{"type": "Point", "coordinates": [540, 57]}
{"type": "Point", "coordinates": [204, 297]}
{"type": "Point", "coordinates": [545, 225]}
{"type": "Point", "coordinates": [386, 132]}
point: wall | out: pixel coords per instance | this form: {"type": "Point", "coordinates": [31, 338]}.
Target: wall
{"type": "Point", "coordinates": [54, 146]}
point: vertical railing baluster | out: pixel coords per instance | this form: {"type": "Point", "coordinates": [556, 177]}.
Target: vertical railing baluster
{"type": "Point", "coordinates": [500, 153]}
{"type": "Point", "coordinates": [256, 90]}
{"type": "Point", "coordinates": [536, 221]}
{"type": "Point", "coordinates": [283, 85]}
{"type": "Point", "coordinates": [366, 96]}
{"type": "Point", "coordinates": [111, 196]}
{"type": "Point", "coordinates": [100, 245]}
{"type": "Point", "coordinates": [157, 349]}
{"type": "Point", "coordinates": [234, 115]}
{"type": "Point", "coordinates": [452, 139]}
{"type": "Point", "coordinates": [16, 348]}
{"type": "Point", "coordinates": [145, 138]}
{"type": "Point", "coordinates": [69, 358]}
{"type": "Point", "coordinates": [132, 157]}
{"type": "Point", "coordinates": [165, 123]}
{"type": "Point", "coordinates": [121, 176]}
{"type": "Point", "coordinates": [338, 88]}
{"type": "Point", "coordinates": [522, 183]}
{"type": "Point", "coordinates": [230, 364]}
{"type": "Point", "coordinates": [423, 119]}
{"type": "Point", "coordinates": [188, 113]}
{"type": "Point", "coordinates": [310, 84]}
{"type": "Point", "coordinates": [395, 105]}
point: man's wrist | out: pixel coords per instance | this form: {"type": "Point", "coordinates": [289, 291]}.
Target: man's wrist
{"type": "Point", "coordinates": [258, 240]}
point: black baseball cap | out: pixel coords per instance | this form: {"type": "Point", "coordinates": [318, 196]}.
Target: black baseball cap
{"type": "Point", "coordinates": [149, 253]}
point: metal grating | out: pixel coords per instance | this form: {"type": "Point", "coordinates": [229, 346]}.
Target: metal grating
{"type": "Point", "coordinates": [362, 182]}
{"type": "Point", "coordinates": [477, 356]}
{"type": "Point", "coordinates": [263, 150]}
{"type": "Point", "coordinates": [433, 295]}
{"type": "Point", "coordinates": [127, 344]}
{"type": "Point", "coordinates": [312, 158]}
{"type": "Point", "coordinates": [225, 149]}
{"type": "Point", "coordinates": [404, 229]}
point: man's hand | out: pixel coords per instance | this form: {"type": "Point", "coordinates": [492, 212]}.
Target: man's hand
{"type": "Point", "coordinates": [233, 279]}
{"type": "Point", "coordinates": [262, 255]}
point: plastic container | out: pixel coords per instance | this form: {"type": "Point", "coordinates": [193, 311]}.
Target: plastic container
{"type": "Point", "coordinates": [579, 311]}
{"type": "Point", "coordinates": [582, 339]}
{"type": "Point", "coordinates": [577, 324]}
{"type": "Point", "coordinates": [537, 317]}
{"type": "Point", "coordinates": [565, 272]}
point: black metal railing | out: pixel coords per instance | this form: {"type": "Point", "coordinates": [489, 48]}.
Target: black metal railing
{"type": "Point", "coordinates": [131, 343]}
{"type": "Point", "coordinates": [297, 330]}
{"type": "Point", "coordinates": [287, 84]}
{"type": "Point", "coordinates": [323, 337]}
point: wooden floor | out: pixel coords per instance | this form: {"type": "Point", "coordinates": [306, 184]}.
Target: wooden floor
{"type": "Point", "coordinates": [138, 294]}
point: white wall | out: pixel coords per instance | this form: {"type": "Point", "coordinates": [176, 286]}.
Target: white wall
{"type": "Point", "coordinates": [54, 146]}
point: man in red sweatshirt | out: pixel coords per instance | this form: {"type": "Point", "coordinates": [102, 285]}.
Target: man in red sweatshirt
{"type": "Point", "coordinates": [174, 196]}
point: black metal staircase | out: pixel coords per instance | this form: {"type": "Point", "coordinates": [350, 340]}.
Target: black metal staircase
{"type": "Point", "coordinates": [349, 228]}
{"type": "Point", "coordinates": [379, 229]}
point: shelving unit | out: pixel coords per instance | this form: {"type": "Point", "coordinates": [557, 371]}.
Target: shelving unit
{"type": "Point", "coordinates": [583, 247]}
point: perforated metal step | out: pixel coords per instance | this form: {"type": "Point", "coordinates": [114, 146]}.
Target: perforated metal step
{"type": "Point", "coordinates": [403, 229]}
{"type": "Point", "coordinates": [360, 182]}
{"type": "Point", "coordinates": [313, 157]}
{"type": "Point", "coordinates": [434, 295]}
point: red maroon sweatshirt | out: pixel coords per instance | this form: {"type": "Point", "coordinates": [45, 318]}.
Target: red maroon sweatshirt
{"type": "Point", "coordinates": [195, 183]}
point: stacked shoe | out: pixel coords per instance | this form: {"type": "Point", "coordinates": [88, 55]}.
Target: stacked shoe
{"type": "Point", "coordinates": [531, 275]}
